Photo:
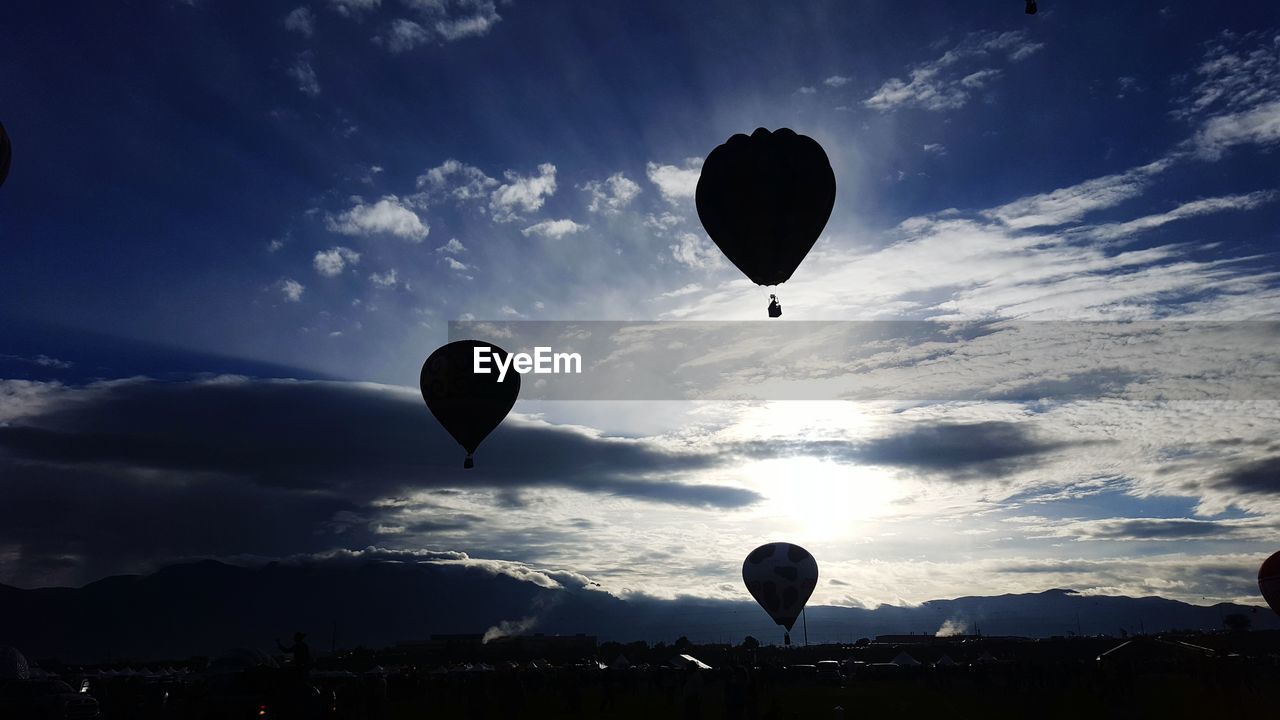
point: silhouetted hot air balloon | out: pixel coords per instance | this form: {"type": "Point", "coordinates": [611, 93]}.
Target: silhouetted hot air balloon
{"type": "Point", "coordinates": [468, 404]}
{"type": "Point", "coordinates": [1269, 581]}
{"type": "Point", "coordinates": [1031, 7]}
{"type": "Point", "coordinates": [764, 199]}
{"type": "Point", "coordinates": [6, 154]}
{"type": "Point", "coordinates": [781, 577]}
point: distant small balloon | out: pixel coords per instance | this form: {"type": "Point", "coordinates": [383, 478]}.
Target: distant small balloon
{"type": "Point", "coordinates": [1031, 7]}
{"type": "Point", "coordinates": [1269, 581]}
{"type": "Point", "coordinates": [469, 405]}
{"type": "Point", "coordinates": [781, 577]}
{"type": "Point", "coordinates": [6, 154]}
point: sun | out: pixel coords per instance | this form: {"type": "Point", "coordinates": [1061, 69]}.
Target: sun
{"type": "Point", "coordinates": [820, 499]}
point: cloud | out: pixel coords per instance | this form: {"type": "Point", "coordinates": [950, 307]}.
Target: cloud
{"type": "Point", "coordinates": [1071, 203]}
{"type": "Point", "coordinates": [301, 20]}
{"type": "Point", "coordinates": [611, 195]}
{"type": "Point", "coordinates": [440, 21]}
{"type": "Point", "coordinates": [455, 265]}
{"type": "Point", "coordinates": [331, 262]}
{"type": "Point", "coordinates": [291, 289]}
{"type": "Point", "coordinates": [1249, 201]}
{"type": "Point", "coordinates": [388, 279]}
{"type": "Point", "coordinates": [453, 247]}
{"type": "Point", "coordinates": [522, 194]}
{"type": "Point", "coordinates": [148, 470]}
{"type": "Point", "coordinates": [388, 216]}
{"type": "Point", "coordinates": [305, 75]}
{"type": "Point", "coordinates": [456, 180]}
{"type": "Point", "coordinates": [554, 229]}
{"type": "Point", "coordinates": [354, 8]}
{"type": "Point", "coordinates": [695, 251]}
{"type": "Point", "coordinates": [941, 84]}
{"type": "Point", "coordinates": [675, 183]}
{"type": "Point", "coordinates": [1147, 529]}
{"type": "Point", "coordinates": [836, 81]}
{"type": "Point", "coordinates": [934, 148]}
{"type": "Point", "coordinates": [807, 90]}
{"type": "Point", "coordinates": [1258, 126]}
{"type": "Point", "coordinates": [404, 35]}
{"type": "Point", "coordinates": [1261, 476]}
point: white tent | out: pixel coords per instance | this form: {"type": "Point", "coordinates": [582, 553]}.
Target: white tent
{"type": "Point", "coordinates": [13, 665]}
{"type": "Point", "coordinates": [945, 661]}
{"type": "Point", "coordinates": [689, 661]}
{"type": "Point", "coordinates": [905, 660]}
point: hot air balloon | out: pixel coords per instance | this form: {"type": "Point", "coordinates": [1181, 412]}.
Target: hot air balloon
{"type": "Point", "coordinates": [6, 154]}
{"type": "Point", "coordinates": [468, 404]}
{"type": "Point", "coordinates": [764, 199]}
{"type": "Point", "coordinates": [781, 577]}
{"type": "Point", "coordinates": [1269, 581]}
{"type": "Point", "coordinates": [1031, 7]}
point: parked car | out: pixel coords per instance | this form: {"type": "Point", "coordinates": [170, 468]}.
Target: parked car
{"type": "Point", "coordinates": [829, 673]}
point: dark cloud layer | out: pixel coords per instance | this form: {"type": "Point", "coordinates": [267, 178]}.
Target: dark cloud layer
{"type": "Point", "coordinates": [121, 475]}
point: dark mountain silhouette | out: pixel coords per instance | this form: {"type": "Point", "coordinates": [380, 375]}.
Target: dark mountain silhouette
{"type": "Point", "coordinates": [207, 607]}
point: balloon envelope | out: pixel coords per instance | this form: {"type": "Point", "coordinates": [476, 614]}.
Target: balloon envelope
{"type": "Point", "coordinates": [468, 404]}
{"type": "Point", "coordinates": [781, 577]}
{"type": "Point", "coordinates": [1269, 581]}
{"type": "Point", "coordinates": [764, 199]}
{"type": "Point", "coordinates": [6, 154]}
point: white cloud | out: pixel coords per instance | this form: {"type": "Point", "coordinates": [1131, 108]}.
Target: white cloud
{"type": "Point", "coordinates": [675, 183]}
{"type": "Point", "coordinates": [291, 289]}
{"type": "Point", "coordinates": [934, 148]}
{"type": "Point", "coordinates": [661, 224]}
{"type": "Point", "coordinates": [305, 75]}
{"type": "Point", "coordinates": [453, 247]}
{"type": "Point", "coordinates": [387, 279]}
{"type": "Point", "coordinates": [1249, 201]}
{"type": "Point", "coordinates": [941, 84]}
{"type": "Point", "coordinates": [440, 21]}
{"type": "Point", "coordinates": [456, 180]}
{"type": "Point", "coordinates": [387, 216]}
{"type": "Point", "coordinates": [331, 262]}
{"type": "Point", "coordinates": [301, 20]}
{"type": "Point", "coordinates": [522, 194]}
{"type": "Point", "coordinates": [807, 90]}
{"type": "Point", "coordinates": [404, 35]}
{"type": "Point", "coordinates": [836, 81]}
{"type": "Point", "coordinates": [611, 195]}
{"type": "Point", "coordinates": [689, 289]}
{"type": "Point", "coordinates": [354, 8]}
{"type": "Point", "coordinates": [455, 265]}
{"type": "Point", "coordinates": [1071, 203]}
{"type": "Point", "coordinates": [554, 229]}
{"type": "Point", "coordinates": [695, 251]}
{"type": "Point", "coordinates": [1260, 126]}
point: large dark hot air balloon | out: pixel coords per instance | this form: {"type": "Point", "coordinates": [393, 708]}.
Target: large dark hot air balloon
{"type": "Point", "coordinates": [764, 199]}
{"type": "Point", "coordinates": [1269, 581]}
{"type": "Point", "coordinates": [468, 404]}
{"type": "Point", "coordinates": [6, 154]}
{"type": "Point", "coordinates": [781, 577]}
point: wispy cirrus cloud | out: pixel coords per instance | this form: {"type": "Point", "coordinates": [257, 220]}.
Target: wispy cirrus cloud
{"type": "Point", "coordinates": [950, 81]}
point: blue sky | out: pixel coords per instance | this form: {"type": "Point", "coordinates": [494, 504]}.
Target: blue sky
{"type": "Point", "coordinates": [312, 191]}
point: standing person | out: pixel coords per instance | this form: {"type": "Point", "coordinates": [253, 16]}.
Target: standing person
{"type": "Point", "coordinates": [301, 653]}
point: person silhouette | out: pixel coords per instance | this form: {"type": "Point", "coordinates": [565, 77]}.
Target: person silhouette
{"type": "Point", "coordinates": [775, 308]}
{"type": "Point", "coordinates": [301, 653]}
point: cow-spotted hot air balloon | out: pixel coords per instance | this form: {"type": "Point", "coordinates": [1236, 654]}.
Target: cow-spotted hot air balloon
{"type": "Point", "coordinates": [1269, 581]}
{"type": "Point", "coordinates": [781, 576]}
{"type": "Point", "coordinates": [468, 404]}
{"type": "Point", "coordinates": [764, 199]}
